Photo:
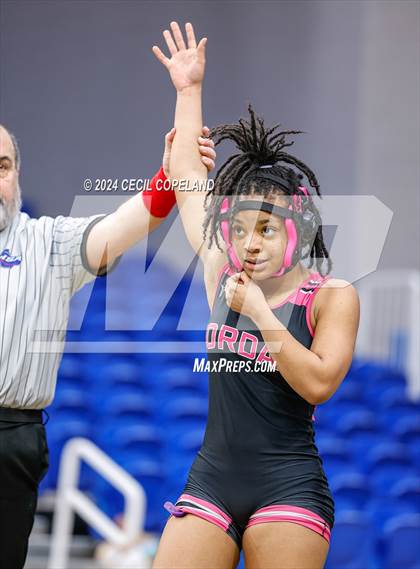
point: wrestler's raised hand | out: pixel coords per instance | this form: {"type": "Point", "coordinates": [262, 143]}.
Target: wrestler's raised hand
{"type": "Point", "coordinates": [187, 62]}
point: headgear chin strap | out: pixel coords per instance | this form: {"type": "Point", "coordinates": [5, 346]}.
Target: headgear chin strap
{"type": "Point", "coordinates": [309, 224]}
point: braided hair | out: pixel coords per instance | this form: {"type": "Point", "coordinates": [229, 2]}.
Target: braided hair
{"type": "Point", "coordinates": [239, 175]}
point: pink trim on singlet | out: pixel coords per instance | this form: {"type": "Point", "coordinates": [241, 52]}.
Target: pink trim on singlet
{"type": "Point", "coordinates": [306, 299]}
{"type": "Point", "coordinates": [205, 516]}
{"type": "Point", "coordinates": [296, 297]}
{"type": "Point", "coordinates": [293, 514]}
{"type": "Point", "coordinates": [205, 504]}
{"type": "Point", "coordinates": [310, 302]}
{"type": "Point", "coordinates": [211, 513]}
{"type": "Point", "coordinates": [223, 271]}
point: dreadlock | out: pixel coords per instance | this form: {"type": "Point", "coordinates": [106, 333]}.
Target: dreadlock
{"type": "Point", "coordinates": [259, 146]}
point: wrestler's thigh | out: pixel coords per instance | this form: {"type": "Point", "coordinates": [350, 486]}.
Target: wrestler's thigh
{"type": "Point", "coordinates": [193, 543]}
{"type": "Point", "coordinates": [283, 545]}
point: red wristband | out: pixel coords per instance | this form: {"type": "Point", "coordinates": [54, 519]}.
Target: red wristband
{"type": "Point", "coordinates": [159, 198]}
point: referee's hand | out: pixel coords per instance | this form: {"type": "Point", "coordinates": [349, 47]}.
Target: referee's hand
{"type": "Point", "coordinates": [205, 146]}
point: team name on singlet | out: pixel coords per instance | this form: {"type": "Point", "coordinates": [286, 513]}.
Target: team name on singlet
{"type": "Point", "coordinates": [241, 342]}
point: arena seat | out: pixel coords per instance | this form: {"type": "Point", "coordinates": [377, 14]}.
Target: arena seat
{"type": "Point", "coordinates": [122, 372]}
{"type": "Point", "coordinates": [351, 542]}
{"type": "Point", "coordinates": [185, 409]}
{"type": "Point", "coordinates": [176, 477]}
{"type": "Point", "coordinates": [349, 392]}
{"type": "Point", "coordinates": [183, 446]}
{"type": "Point", "coordinates": [395, 406]}
{"type": "Point", "coordinates": [386, 464]}
{"type": "Point", "coordinates": [407, 429]}
{"type": "Point", "coordinates": [128, 406]}
{"type": "Point", "coordinates": [334, 453]}
{"type": "Point", "coordinates": [380, 509]}
{"type": "Point", "coordinates": [71, 403]}
{"type": "Point", "coordinates": [402, 542]}
{"type": "Point", "coordinates": [128, 442]}
{"type": "Point", "coordinates": [331, 412]}
{"type": "Point", "coordinates": [352, 488]}
{"type": "Point", "coordinates": [71, 372]}
{"type": "Point", "coordinates": [60, 431]}
{"type": "Point", "coordinates": [407, 491]}
{"type": "Point", "coordinates": [152, 477]}
{"type": "Point", "coordinates": [361, 431]}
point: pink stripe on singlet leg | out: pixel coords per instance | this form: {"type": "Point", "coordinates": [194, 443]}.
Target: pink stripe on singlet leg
{"type": "Point", "coordinates": [211, 513]}
{"type": "Point", "coordinates": [293, 514]}
{"type": "Point", "coordinates": [206, 505]}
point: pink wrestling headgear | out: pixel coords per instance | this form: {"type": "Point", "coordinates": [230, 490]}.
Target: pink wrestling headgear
{"type": "Point", "coordinates": [301, 222]}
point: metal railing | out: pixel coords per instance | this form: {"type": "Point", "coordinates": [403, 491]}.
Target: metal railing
{"type": "Point", "coordinates": [389, 325]}
{"type": "Point", "coordinates": [70, 499]}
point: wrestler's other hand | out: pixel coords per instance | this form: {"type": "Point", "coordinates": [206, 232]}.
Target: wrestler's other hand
{"type": "Point", "coordinates": [243, 295]}
{"type": "Point", "coordinates": [205, 145]}
{"type": "Point", "coordinates": [187, 62]}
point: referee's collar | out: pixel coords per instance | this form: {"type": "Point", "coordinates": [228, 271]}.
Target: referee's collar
{"type": "Point", "coordinates": [20, 219]}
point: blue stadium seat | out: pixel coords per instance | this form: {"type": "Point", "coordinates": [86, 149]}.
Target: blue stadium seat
{"type": "Point", "coordinates": [121, 372]}
{"type": "Point", "coordinates": [361, 431]}
{"type": "Point", "coordinates": [71, 403]}
{"type": "Point", "coordinates": [394, 406]}
{"type": "Point", "coordinates": [181, 380]}
{"type": "Point", "coordinates": [128, 406]}
{"type": "Point", "coordinates": [386, 464]}
{"type": "Point", "coordinates": [407, 429]}
{"type": "Point", "coordinates": [348, 392]}
{"type": "Point", "coordinates": [334, 454]}
{"type": "Point", "coordinates": [351, 488]}
{"type": "Point", "coordinates": [375, 394]}
{"type": "Point", "coordinates": [378, 379]}
{"type": "Point", "coordinates": [71, 372]}
{"type": "Point", "coordinates": [369, 373]}
{"type": "Point", "coordinates": [94, 322]}
{"type": "Point", "coordinates": [181, 416]}
{"type": "Point", "coordinates": [151, 476]}
{"type": "Point", "coordinates": [402, 542]}
{"type": "Point", "coordinates": [407, 491]}
{"type": "Point", "coordinates": [58, 433]}
{"type": "Point", "coordinates": [351, 542]}
{"type": "Point", "coordinates": [185, 409]}
{"type": "Point", "coordinates": [177, 472]}
{"type": "Point", "coordinates": [358, 422]}
{"type": "Point", "coordinates": [183, 446]}
{"type": "Point", "coordinates": [393, 395]}
{"type": "Point", "coordinates": [119, 318]}
{"type": "Point", "coordinates": [381, 509]}
{"type": "Point", "coordinates": [191, 441]}
{"type": "Point", "coordinates": [331, 412]}
{"type": "Point", "coordinates": [136, 440]}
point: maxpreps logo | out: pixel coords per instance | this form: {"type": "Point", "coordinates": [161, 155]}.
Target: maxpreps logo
{"type": "Point", "coordinates": [7, 260]}
{"type": "Point", "coordinates": [241, 343]}
{"type": "Point", "coordinates": [238, 366]}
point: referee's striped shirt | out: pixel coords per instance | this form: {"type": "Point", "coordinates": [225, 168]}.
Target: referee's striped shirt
{"type": "Point", "coordinates": [42, 264]}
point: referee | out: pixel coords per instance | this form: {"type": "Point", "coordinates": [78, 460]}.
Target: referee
{"type": "Point", "coordinates": [43, 262]}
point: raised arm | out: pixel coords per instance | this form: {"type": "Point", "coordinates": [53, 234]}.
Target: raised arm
{"type": "Point", "coordinates": [186, 67]}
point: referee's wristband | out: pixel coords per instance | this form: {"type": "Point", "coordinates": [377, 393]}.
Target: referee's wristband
{"type": "Point", "coordinates": [159, 198]}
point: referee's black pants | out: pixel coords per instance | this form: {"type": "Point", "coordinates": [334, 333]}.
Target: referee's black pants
{"type": "Point", "coordinates": [23, 463]}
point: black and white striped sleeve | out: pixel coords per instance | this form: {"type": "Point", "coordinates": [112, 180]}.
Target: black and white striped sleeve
{"type": "Point", "coordinates": [69, 249]}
